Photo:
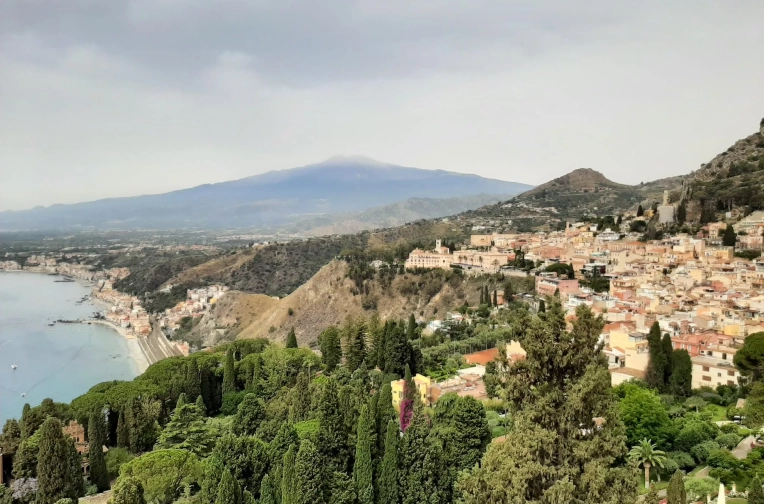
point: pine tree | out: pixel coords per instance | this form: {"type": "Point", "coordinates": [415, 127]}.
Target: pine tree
{"type": "Point", "coordinates": [200, 404]}
{"type": "Point", "coordinates": [291, 341]}
{"type": "Point", "coordinates": [123, 434]}
{"type": "Point", "coordinates": [355, 346]}
{"type": "Point", "coordinates": [656, 366]}
{"type": "Point", "coordinates": [387, 489]}
{"type": "Point", "coordinates": [309, 474]}
{"type": "Point", "coordinates": [187, 430]}
{"type": "Point", "coordinates": [652, 496]}
{"type": "Point", "coordinates": [363, 470]}
{"type": "Point", "coordinates": [555, 394]}
{"type": "Point", "coordinates": [332, 439]}
{"type": "Point", "coordinates": [128, 490]}
{"type": "Point", "coordinates": [267, 491]}
{"type": "Point", "coordinates": [229, 373]}
{"type": "Point", "coordinates": [411, 328]}
{"type": "Point", "coordinates": [397, 350]}
{"type": "Point", "coordinates": [301, 399]}
{"type": "Point", "coordinates": [675, 493]}
{"type": "Point", "coordinates": [99, 475]}
{"type": "Point", "coordinates": [229, 491]}
{"type": "Point", "coordinates": [413, 451]}
{"type": "Point", "coordinates": [75, 484]}
{"type": "Point", "coordinates": [288, 477]}
{"type": "Point", "coordinates": [755, 492]}
{"type": "Point", "coordinates": [53, 476]}
{"type": "Point", "coordinates": [331, 348]}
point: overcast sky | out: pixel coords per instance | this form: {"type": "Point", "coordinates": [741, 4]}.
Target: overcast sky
{"type": "Point", "coordinates": [103, 98]}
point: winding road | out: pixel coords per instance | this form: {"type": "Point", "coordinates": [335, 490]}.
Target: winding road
{"type": "Point", "coordinates": [155, 345]}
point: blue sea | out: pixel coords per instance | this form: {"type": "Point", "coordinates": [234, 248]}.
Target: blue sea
{"type": "Point", "coordinates": [62, 361]}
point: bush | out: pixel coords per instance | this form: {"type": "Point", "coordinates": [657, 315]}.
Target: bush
{"type": "Point", "coordinates": [723, 459]}
{"type": "Point", "coordinates": [703, 450]}
{"type": "Point", "coordinates": [115, 457]}
{"type": "Point", "coordinates": [726, 476]}
{"type": "Point", "coordinates": [683, 460]}
{"type": "Point", "coordinates": [669, 467]}
{"type": "Point", "coordinates": [730, 428]}
{"type": "Point", "coordinates": [728, 441]}
{"type": "Point", "coordinates": [231, 402]}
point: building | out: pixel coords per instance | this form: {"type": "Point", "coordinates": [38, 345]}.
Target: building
{"type": "Point", "coordinates": [423, 384]}
{"type": "Point", "coordinates": [712, 372]}
{"type": "Point", "coordinates": [77, 432]}
{"type": "Point", "coordinates": [547, 285]}
{"type": "Point", "coordinates": [440, 257]}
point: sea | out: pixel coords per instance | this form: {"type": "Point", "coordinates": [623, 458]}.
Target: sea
{"type": "Point", "coordinates": [61, 361]}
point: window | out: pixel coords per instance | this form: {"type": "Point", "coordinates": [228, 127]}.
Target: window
{"type": "Point", "coordinates": [706, 378]}
{"type": "Point", "coordinates": [709, 353]}
{"type": "Point", "coordinates": [730, 382]}
{"type": "Point", "coordinates": [705, 368]}
{"type": "Point", "coordinates": [724, 356]}
{"type": "Point", "coordinates": [730, 373]}
{"type": "Point", "coordinates": [719, 375]}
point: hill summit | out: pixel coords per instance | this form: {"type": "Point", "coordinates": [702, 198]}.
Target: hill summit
{"type": "Point", "coordinates": [580, 180]}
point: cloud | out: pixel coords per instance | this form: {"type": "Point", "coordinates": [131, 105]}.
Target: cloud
{"type": "Point", "coordinates": [129, 97]}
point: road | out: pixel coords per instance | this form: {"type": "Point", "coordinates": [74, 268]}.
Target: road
{"type": "Point", "coordinates": [744, 448]}
{"type": "Point", "coordinates": [156, 347]}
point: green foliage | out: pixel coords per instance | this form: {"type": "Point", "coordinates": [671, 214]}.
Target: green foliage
{"type": "Point", "coordinates": [115, 459]}
{"type": "Point", "coordinates": [187, 430]}
{"type": "Point", "coordinates": [680, 382]}
{"type": "Point", "coordinates": [76, 483]}
{"type": "Point", "coordinates": [332, 437]}
{"type": "Point", "coordinates": [728, 441]}
{"type": "Point", "coordinates": [6, 495]}
{"type": "Point", "coordinates": [341, 489]}
{"type": "Point", "coordinates": [301, 399]}
{"type": "Point", "coordinates": [25, 461]}
{"type": "Point", "coordinates": [99, 475]}
{"type": "Point", "coordinates": [10, 439]}
{"type": "Point", "coordinates": [141, 416]}
{"type": "Point", "coordinates": [53, 476]}
{"type": "Point", "coordinates": [755, 492]}
{"type": "Point", "coordinates": [749, 359]}
{"type": "Point", "coordinates": [250, 415]}
{"type": "Point", "coordinates": [246, 457]}
{"type": "Point", "coordinates": [682, 459]}
{"type": "Point", "coordinates": [644, 415]}
{"type": "Point", "coordinates": [163, 473]}
{"type": "Point", "coordinates": [231, 402]}
{"type": "Point", "coordinates": [729, 238]}
{"type": "Point", "coordinates": [309, 474]}
{"type": "Point", "coordinates": [229, 491]}
{"type": "Point", "coordinates": [460, 425]}
{"type": "Point", "coordinates": [268, 491]}
{"type": "Point", "coordinates": [229, 373]}
{"type": "Point", "coordinates": [128, 490]}
{"type": "Point", "coordinates": [702, 450]}
{"type": "Point", "coordinates": [289, 477]}
{"type": "Point", "coordinates": [331, 348]}
{"type": "Point", "coordinates": [387, 486]}
{"type": "Point", "coordinates": [363, 470]}
{"type": "Point", "coordinates": [647, 455]}
{"type": "Point", "coordinates": [291, 341]}
{"type": "Point", "coordinates": [676, 493]}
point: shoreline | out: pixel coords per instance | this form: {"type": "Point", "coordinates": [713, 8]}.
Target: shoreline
{"type": "Point", "coordinates": [137, 355]}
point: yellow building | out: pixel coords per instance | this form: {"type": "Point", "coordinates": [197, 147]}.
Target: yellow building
{"type": "Point", "coordinates": [423, 384]}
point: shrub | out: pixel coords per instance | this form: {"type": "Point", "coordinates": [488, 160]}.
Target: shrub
{"type": "Point", "coordinates": [724, 459]}
{"type": "Point", "coordinates": [683, 459]}
{"type": "Point", "coordinates": [728, 441]}
{"type": "Point", "coordinates": [703, 450]}
{"type": "Point", "coordinates": [692, 435]}
{"type": "Point", "coordinates": [290, 312]}
{"type": "Point", "coordinates": [231, 402]}
{"type": "Point", "coordinates": [115, 457]}
{"type": "Point", "coordinates": [730, 428]}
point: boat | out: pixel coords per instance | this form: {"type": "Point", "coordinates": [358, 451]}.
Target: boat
{"type": "Point", "coordinates": [23, 394]}
{"type": "Point", "coordinates": [13, 366]}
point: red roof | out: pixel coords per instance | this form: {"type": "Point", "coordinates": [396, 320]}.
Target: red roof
{"type": "Point", "coordinates": [483, 357]}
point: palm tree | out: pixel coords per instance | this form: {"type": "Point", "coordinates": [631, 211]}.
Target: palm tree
{"type": "Point", "coordinates": [646, 454]}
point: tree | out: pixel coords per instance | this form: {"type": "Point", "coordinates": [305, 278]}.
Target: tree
{"type": "Point", "coordinates": [495, 298]}
{"type": "Point", "coordinates": [123, 433]}
{"type": "Point", "coordinates": [421, 464]}
{"type": "Point", "coordinates": [332, 436]}
{"type": "Point", "coordinates": [681, 213]}
{"type": "Point", "coordinates": [291, 341]}
{"type": "Point", "coordinates": [76, 484]}
{"type": "Point", "coordinates": [355, 344]}
{"type": "Point", "coordinates": [755, 493]}
{"type": "Point", "coordinates": [268, 491]}
{"type": "Point", "coordinates": [652, 496]}
{"type": "Point", "coordinates": [301, 399]}
{"type": "Point", "coordinates": [249, 416]}
{"type": "Point", "coordinates": [411, 328]}
{"type": "Point", "coordinates": [187, 430]}
{"type": "Point", "coordinates": [193, 384]}
{"type": "Point", "coordinates": [749, 360]}
{"type": "Point", "coordinates": [163, 473]}
{"type": "Point", "coordinates": [681, 373]}
{"type": "Point", "coordinates": [289, 477]}
{"type": "Point", "coordinates": [397, 350]}
{"type": "Point", "coordinates": [656, 366]}
{"type": "Point", "coordinates": [229, 373]}
{"type": "Point", "coordinates": [644, 414]}
{"type": "Point", "coordinates": [675, 493]}
{"type": "Point", "coordinates": [385, 412]}
{"type": "Point", "coordinates": [99, 476]}
{"type": "Point", "coordinates": [387, 490]}
{"type": "Point", "coordinates": [53, 476]}
{"type": "Point", "coordinates": [341, 489]}
{"type": "Point", "coordinates": [542, 306]}
{"type": "Point", "coordinates": [331, 348]}
{"type": "Point", "coordinates": [729, 238]}
{"type": "Point", "coordinates": [668, 351]}
{"type": "Point", "coordinates": [556, 392]}
{"type": "Point", "coordinates": [640, 211]}
{"type": "Point", "coordinates": [10, 439]}
{"type": "Point", "coordinates": [128, 490]}
{"type": "Point", "coordinates": [285, 437]}
{"type": "Point", "coordinates": [410, 399]}
{"type": "Point", "coordinates": [309, 474]}
{"type": "Point", "coordinates": [647, 455]}
{"type": "Point", "coordinates": [363, 470]}
{"type": "Point", "coordinates": [461, 427]}
{"type": "Point", "coordinates": [228, 490]}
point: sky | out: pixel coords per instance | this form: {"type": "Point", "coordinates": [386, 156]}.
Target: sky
{"type": "Point", "coordinates": [125, 97]}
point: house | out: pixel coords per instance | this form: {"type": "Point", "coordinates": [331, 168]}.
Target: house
{"type": "Point", "coordinates": [423, 384]}
{"type": "Point", "coordinates": [712, 372]}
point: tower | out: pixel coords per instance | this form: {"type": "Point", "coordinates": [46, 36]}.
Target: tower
{"type": "Point", "coordinates": [665, 197]}
{"type": "Point", "coordinates": [437, 245]}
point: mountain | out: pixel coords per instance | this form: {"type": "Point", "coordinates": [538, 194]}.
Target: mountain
{"type": "Point", "coordinates": [339, 185]}
{"type": "Point", "coordinates": [732, 180]}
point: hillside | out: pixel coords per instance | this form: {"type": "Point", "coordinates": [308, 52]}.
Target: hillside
{"type": "Point", "coordinates": [733, 179]}
{"type": "Point", "coordinates": [336, 186]}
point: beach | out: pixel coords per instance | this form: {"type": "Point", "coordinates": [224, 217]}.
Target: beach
{"type": "Point", "coordinates": [141, 361]}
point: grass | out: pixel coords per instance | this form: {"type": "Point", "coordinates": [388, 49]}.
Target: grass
{"type": "Point", "coordinates": [737, 500]}
{"type": "Point", "coordinates": [658, 485]}
{"type": "Point", "coordinates": [718, 413]}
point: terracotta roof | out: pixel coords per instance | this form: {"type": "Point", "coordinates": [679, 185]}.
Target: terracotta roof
{"type": "Point", "coordinates": [483, 357]}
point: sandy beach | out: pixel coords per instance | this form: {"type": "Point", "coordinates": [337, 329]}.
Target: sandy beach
{"type": "Point", "coordinates": [137, 354]}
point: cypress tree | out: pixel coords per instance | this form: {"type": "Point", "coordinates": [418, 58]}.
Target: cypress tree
{"type": "Point", "coordinates": [656, 366]}
{"type": "Point", "coordinates": [495, 298]}
{"type": "Point", "coordinates": [482, 296]}
{"type": "Point", "coordinates": [409, 401]}
{"type": "Point", "coordinates": [363, 470]}
{"type": "Point", "coordinates": [668, 351]}
{"type": "Point", "coordinates": [681, 213]}
{"type": "Point", "coordinates": [193, 385]}
{"type": "Point", "coordinates": [675, 493]}
{"type": "Point", "coordinates": [301, 401]}
{"type": "Point", "coordinates": [411, 328]}
{"type": "Point", "coordinates": [229, 491]}
{"type": "Point", "coordinates": [267, 491]}
{"type": "Point", "coordinates": [413, 452]}
{"type": "Point", "coordinates": [387, 490]}
{"type": "Point", "coordinates": [681, 373]}
{"type": "Point", "coordinates": [285, 437]}
{"type": "Point", "coordinates": [99, 475]}
{"type": "Point", "coordinates": [291, 341]}
{"type": "Point", "coordinates": [332, 432]}
{"type": "Point", "coordinates": [182, 399]}
{"type": "Point", "coordinates": [128, 490]}
{"type": "Point", "coordinates": [640, 211]}
{"type": "Point", "coordinates": [25, 423]}
{"type": "Point", "coordinates": [249, 416]}
{"type": "Point", "coordinates": [288, 477]}
{"type": "Point", "coordinates": [123, 434]}
{"type": "Point", "coordinates": [76, 484]}
{"type": "Point", "coordinates": [729, 238]}
{"type": "Point", "coordinates": [755, 493]}
{"type": "Point", "coordinates": [385, 412]}
{"type": "Point", "coordinates": [200, 404]}
{"type": "Point", "coordinates": [397, 350]}
{"type": "Point", "coordinates": [652, 496]}
{"type": "Point", "coordinates": [53, 476]}
{"type": "Point", "coordinates": [309, 474]}
{"type": "Point", "coordinates": [331, 348]}
{"type": "Point", "coordinates": [355, 348]}
{"type": "Point", "coordinates": [229, 373]}
{"type": "Point", "coordinates": [542, 306]}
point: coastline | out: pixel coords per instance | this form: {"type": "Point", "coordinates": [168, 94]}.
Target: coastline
{"type": "Point", "coordinates": [138, 356]}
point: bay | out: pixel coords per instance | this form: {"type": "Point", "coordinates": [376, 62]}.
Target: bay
{"type": "Point", "coordinates": [62, 361]}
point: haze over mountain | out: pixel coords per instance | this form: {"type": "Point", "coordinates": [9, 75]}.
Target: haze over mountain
{"type": "Point", "coordinates": [342, 184]}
